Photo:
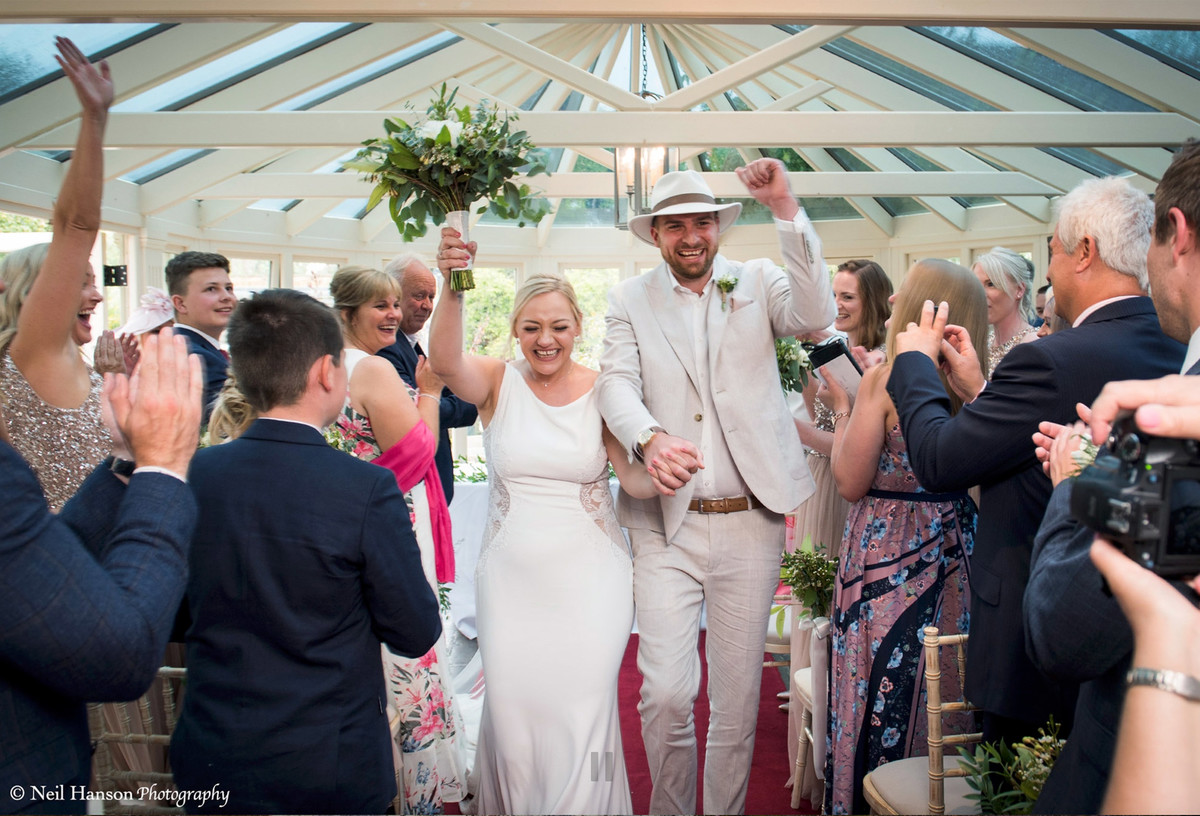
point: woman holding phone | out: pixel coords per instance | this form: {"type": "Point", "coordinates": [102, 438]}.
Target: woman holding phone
{"type": "Point", "coordinates": [903, 559]}
{"type": "Point", "coordinates": [861, 290]}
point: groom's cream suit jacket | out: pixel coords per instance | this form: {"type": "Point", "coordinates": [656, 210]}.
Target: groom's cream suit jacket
{"type": "Point", "coordinates": [648, 370]}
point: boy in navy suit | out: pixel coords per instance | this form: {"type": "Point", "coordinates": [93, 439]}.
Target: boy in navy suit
{"type": "Point", "coordinates": [202, 294]}
{"type": "Point", "coordinates": [304, 560]}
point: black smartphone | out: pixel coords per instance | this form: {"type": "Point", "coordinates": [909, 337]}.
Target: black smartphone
{"type": "Point", "coordinates": [834, 355]}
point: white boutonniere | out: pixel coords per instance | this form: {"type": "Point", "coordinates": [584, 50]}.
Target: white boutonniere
{"type": "Point", "coordinates": [726, 285]}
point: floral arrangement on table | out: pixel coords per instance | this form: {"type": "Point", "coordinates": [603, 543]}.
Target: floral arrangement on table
{"type": "Point", "coordinates": [794, 365]}
{"type": "Point", "coordinates": [809, 574]}
{"type": "Point", "coordinates": [447, 161]}
{"type": "Point", "coordinates": [470, 470]}
{"type": "Point", "coordinates": [1008, 779]}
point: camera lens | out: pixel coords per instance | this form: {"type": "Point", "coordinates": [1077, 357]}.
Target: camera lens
{"type": "Point", "coordinates": [1128, 447]}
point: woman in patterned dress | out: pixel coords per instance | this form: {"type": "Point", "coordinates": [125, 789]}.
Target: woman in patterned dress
{"type": "Point", "coordinates": [903, 559]}
{"type": "Point", "coordinates": [387, 422]}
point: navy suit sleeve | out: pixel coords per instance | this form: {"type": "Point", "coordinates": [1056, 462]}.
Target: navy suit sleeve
{"type": "Point", "coordinates": [90, 513]}
{"type": "Point", "coordinates": [1074, 630]}
{"type": "Point", "coordinates": [403, 609]}
{"type": "Point", "coordinates": [996, 429]}
{"type": "Point", "coordinates": [91, 629]}
{"type": "Point", "coordinates": [404, 363]}
{"type": "Point", "coordinates": [454, 412]}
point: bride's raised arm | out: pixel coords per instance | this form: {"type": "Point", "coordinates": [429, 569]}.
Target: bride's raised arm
{"type": "Point", "coordinates": [471, 377]}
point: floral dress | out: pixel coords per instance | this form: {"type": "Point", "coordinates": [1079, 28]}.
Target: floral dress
{"type": "Point", "coordinates": [425, 728]}
{"type": "Point", "coordinates": [903, 567]}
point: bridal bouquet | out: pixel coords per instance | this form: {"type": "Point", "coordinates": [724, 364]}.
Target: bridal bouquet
{"type": "Point", "coordinates": [445, 162]}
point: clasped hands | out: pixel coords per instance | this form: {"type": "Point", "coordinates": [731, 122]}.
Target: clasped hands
{"type": "Point", "coordinates": [949, 347]}
{"type": "Point", "coordinates": [671, 462]}
{"type": "Point", "coordinates": [1169, 406]}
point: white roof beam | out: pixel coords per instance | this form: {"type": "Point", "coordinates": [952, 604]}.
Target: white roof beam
{"type": "Point", "coordinates": [1115, 64]}
{"type": "Point", "coordinates": [381, 92]}
{"type": "Point", "coordinates": [135, 69]}
{"type": "Point", "coordinates": [551, 66]}
{"type": "Point", "coordinates": [716, 83]}
{"type": "Point", "coordinates": [988, 84]}
{"type": "Point", "coordinates": [343, 129]}
{"type": "Point", "coordinates": [1103, 13]}
{"type": "Point", "coordinates": [255, 186]}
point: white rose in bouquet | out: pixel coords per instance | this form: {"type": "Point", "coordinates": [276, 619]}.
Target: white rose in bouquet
{"type": "Point", "coordinates": [433, 127]}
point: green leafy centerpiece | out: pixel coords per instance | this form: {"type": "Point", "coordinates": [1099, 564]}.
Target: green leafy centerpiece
{"type": "Point", "coordinates": [446, 162]}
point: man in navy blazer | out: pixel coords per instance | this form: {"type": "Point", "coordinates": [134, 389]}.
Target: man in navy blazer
{"type": "Point", "coordinates": [303, 562]}
{"type": "Point", "coordinates": [87, 596]}
{"type": "Point", "coordinates": [202, 293]}
{"type": "Point", "coordinates": [418, 288]}
{"type": "Point", "coordinates": [1075, 629]}
{"type": "Point", "coordinates": [1098, 271]}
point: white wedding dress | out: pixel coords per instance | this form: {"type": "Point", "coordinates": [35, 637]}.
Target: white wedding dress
{"type": "Point", "coordinates": [555, 607]}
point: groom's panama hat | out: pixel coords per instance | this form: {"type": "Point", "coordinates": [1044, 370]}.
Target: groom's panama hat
{"type": "Point", "coordinates": [683, 191]}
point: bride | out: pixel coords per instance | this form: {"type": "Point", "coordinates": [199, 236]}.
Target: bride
{"type": "Point", "coordinates": [555, 571]}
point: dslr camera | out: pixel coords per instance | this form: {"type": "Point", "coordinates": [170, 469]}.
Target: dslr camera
{"type": "Point", "coordinates": [1143, 493]}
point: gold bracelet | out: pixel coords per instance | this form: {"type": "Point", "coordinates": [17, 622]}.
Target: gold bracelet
{"type": "Point", "coordinates": [840, 415]}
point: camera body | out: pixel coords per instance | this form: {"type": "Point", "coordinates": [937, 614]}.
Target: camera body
{"type": "Point", "coordinates": [1143, 493]}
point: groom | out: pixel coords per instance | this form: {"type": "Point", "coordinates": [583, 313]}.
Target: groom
{"type": "Point", "coordinates": [688, 383]}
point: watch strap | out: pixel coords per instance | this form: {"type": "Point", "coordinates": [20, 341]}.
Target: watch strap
{"type": "Point", "coordinates": [1175, 682]}
{"type": "Point", "coordinates": [121, 467]}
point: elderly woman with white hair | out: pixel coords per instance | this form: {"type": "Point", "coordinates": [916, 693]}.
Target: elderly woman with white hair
{"type": "Point", "coordinates": [1007, 277]}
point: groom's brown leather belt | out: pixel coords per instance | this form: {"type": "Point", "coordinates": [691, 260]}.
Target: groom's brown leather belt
{"type": "Point", "coordinates": [733, 504]}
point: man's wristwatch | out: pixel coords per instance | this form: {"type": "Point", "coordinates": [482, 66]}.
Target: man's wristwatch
{"type": "Point", "coordinates": [643, 440]}
{"type": "Point", "coordinates": [121, 467]}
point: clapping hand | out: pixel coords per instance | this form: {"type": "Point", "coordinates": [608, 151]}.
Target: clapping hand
{"type": "Point", "coordinates": [129, 348]}
{"type": "Point", "coordinates": [157, 410]}
{"type": "Point", "coordinates": [108, 357]}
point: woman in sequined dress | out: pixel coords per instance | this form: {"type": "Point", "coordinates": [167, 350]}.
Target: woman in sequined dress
{"type": "Point", "coordinates": [386, 422]}
{"type": "Point", "coordinates": [1007, 277]}
{"type": "Point", "coordinates": [903, 563]}
{"type": "Point", "coordinates": [51, 396]}
{"type": "Point", "coordinates": [861, 291]}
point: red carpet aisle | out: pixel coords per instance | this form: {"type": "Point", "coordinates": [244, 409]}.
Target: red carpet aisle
{"type": "Point", "coordinates": [770, 771]}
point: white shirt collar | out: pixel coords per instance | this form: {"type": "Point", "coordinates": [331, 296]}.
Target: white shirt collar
{"type": "Point", "coordinates": [215, 342]}
{"type": "Point", "coordinates": [1193, 351]}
